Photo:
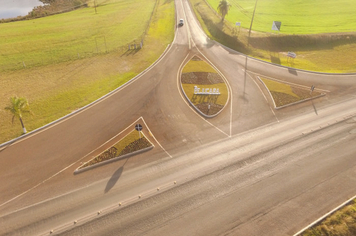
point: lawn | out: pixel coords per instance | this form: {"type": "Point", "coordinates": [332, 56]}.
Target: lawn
{"type": "Point", "coordinates": [297, 17]}
{"type": "Point", "coordinates": [284, 94]}
{"type": "Point", "coordinates": [317, 49]}
{"type": "Point", "coordinates": [61, 87]}
{"type": "Point", "coordinates": [72, 35]}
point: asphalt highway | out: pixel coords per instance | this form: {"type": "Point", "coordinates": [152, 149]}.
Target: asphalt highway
{"type": "Point", "coordinates": [252, 170]}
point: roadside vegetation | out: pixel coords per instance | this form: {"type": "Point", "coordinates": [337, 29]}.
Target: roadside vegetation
{"type": "Point", "coordinates": [285, 94]}
{"type": "Point", "coordinates": [323, 38]}
{"type": "Point", "coordinates": [131, 143]}
{"type": "Point", "coordinates": [340, 223]}
{"type": "Point", "coordinates": [197, 74]}
{"type": "Point", "coordinates": [63, 62]}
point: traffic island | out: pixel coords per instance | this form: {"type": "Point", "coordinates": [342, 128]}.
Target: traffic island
{"type": "Point", "coordinates": [284, 94]}
{"type": "Point", "coordinates": [133, 143]}
{"type": "Point", "coordinates": [203, 87]}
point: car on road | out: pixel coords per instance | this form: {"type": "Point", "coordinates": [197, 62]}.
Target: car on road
{"type": "Point", "coordinates": [181, 22]}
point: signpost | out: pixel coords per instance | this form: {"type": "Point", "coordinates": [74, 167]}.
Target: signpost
{"type": "Point", "coordinates": [138, 127]}
{"type": "Point", "coordinates": [312, 89]}
{"type": "Point", "coordinates": [276, 25]}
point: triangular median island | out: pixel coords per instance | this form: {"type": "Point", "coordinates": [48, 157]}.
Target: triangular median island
{"type": "Point", "coordinates": [284, 94]}
{"type": "Point", "coordinates": [132, 143]}
{"type": "Point", "coordinates": [203, 87]}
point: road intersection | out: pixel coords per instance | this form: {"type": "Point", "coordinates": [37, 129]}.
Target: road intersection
{"type": "Point", "coordinates": [249, 152]}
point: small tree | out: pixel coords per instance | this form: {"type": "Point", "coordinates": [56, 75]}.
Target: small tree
{"type": "Point", "coordinates": [17, 107]}
{"type": "Point", "coordinates": [223, 8]}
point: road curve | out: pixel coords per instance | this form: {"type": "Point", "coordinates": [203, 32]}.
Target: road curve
{"type": "Point", "coordinates": [252, 169]}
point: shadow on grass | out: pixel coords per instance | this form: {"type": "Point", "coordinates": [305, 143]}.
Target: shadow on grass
{"type": "Point", "coordinates": [131, 52]}
{"type": "Point", "coordinates": [217, 32]}
{"type": "Point", "coordinates": [277, 43]}
{"type": "Point", "coordinates": [114, 178]}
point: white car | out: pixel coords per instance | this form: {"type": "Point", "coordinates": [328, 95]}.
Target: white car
{"type": "Point", "coordinates": [181, 22]}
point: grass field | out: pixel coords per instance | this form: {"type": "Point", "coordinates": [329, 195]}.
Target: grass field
{"type": "Point", "coordinates": [327, 52]}
{"type": "Point", "coordinates": [73, 35]}
{"type": "Point", "coordinates": [297, 17]}
{"type": "Point", "coordinates": [57, 88]}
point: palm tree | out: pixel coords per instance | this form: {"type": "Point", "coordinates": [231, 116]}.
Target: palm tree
{"type": "Point", "coordinates": [223, 8]}
{"type": "Point", "coordinates": [17, 107]}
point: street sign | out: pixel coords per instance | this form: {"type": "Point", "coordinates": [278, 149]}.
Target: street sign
{"type": "Point", "coordinates": [138, 127]}
{"type": "Point", "coordinates": [292, 55]}
{"type": "Point", "coordinates": [276, 25]}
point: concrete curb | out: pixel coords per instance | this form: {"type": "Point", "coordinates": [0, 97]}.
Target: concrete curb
{"type": "Point", "coordinates": [201, 113]}
{"type": "Point", "coordinates": [325, 216]}
{"type": "Point", "coordinates": [3, 145]}
{"type": "Point", "coordinates": [77, 171]}
{"type": "Point", "coordinates": [290, 104]}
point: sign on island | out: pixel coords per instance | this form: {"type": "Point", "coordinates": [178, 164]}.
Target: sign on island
{"type": "Point", "coordinates": [206, 91]}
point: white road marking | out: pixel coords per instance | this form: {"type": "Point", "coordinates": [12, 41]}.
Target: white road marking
{"type": "Point", "coordinates": [12, 199]}
{"type": "Point", "coordinates": [324, 216]}
{"type": "Point", "coordinates": [156, 139]}
{"type": "Point", "coordinates": [228, 85]}
{"type": "Point", "coordinates": [188, 105]}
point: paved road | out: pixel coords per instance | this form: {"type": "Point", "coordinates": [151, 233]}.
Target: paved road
{"type": "Point", "coordinates": [250, 152]}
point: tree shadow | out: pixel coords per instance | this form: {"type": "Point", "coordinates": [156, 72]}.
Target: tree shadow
{"type": "Point", "coordinates": [114, 178]}
{"type": "Point", "coordinates": [277, 43]}
{"type": "Point", "coordinates": [217, 31]}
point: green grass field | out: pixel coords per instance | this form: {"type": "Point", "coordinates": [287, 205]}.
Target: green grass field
{"type": "Point", "coordinates": [56, 88]}
{"type": "Point", "coordinates": [317, 50]}
{"type": "Point", "coordinates": [297, 17]}
{"type": "Point", "coordinates": [73, 35]}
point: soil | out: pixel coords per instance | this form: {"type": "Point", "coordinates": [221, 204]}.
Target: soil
{"type": "Point", "coordinates": [214, 108]}
{"type": "Point", "coordinates": [205, 78]}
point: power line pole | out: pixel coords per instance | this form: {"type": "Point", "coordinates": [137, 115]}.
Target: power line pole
{"type": "Point", "coordinates": [95, 6]}
{"type": "Point", "coordinates": [253, 16]}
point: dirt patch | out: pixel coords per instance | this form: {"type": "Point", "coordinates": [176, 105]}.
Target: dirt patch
{"type": "Point", "coordinates": [201, 78]}
{"type": "Point", "coordinates": [214, 108]}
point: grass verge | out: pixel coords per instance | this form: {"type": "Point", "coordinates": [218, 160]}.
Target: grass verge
{"type": "Point", "coordinates": [285, 94]}
{"type": "Point", "coordinates": [57, 89]}
{"type": "Point", "coordinates": [340, 223]}
{"type": "Point", "coordinates": [327, 52]}
{"type": "Point", "coordinates": [132, 142]}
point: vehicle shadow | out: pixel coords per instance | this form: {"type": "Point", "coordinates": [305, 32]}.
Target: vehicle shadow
{"type": "Point", "coordinates": [114, 178]}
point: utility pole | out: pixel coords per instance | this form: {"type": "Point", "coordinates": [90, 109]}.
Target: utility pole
{"type": "Point", "coordinates": [95, 6]}
{"type": "Point", "coordinates": [253, 16]}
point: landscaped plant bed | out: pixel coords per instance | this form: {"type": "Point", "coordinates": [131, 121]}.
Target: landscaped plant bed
{"type": "Point", "coordinates": [284, 94]}
{"type": "Point", "coordinates": [203, 87]}
{"type": "Point", "coordinates": [131, 144]}
{"type": "Point", "coordinates": [341, 222]}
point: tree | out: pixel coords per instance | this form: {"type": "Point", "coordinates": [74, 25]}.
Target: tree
{"type": "Point", "coordinates": [223, 8]}
{"type": "Point", "coordinates": [17, 107]}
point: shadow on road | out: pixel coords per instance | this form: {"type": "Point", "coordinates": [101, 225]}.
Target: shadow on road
{"type": "Point", "coordinates": [292, 71]}
{"type": "Point", "coordinates": [114, 178]}
{"type": "Point", "coordinates": [316, 112]}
